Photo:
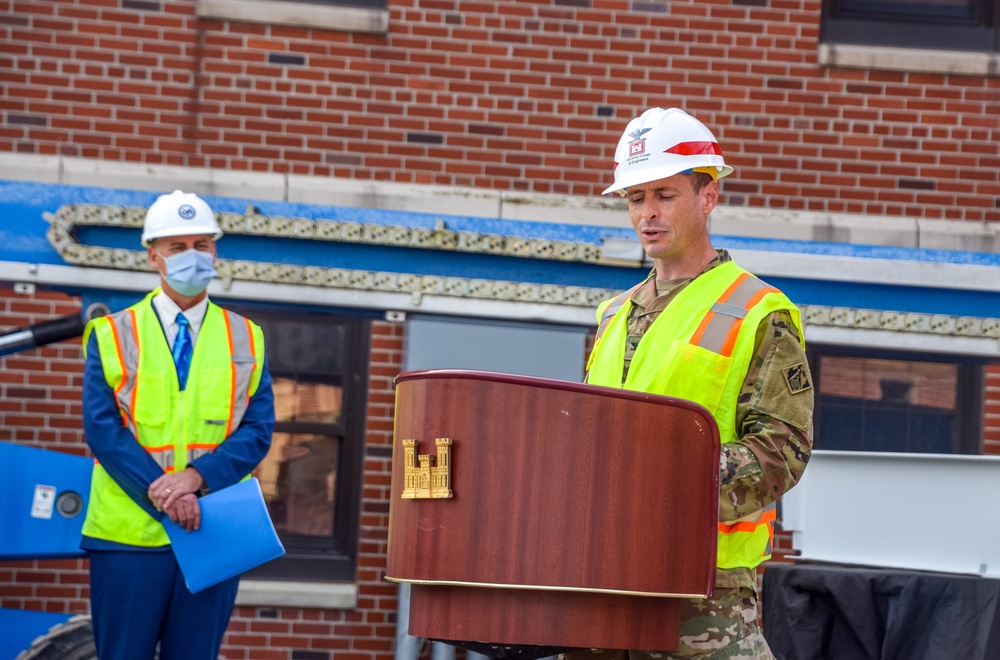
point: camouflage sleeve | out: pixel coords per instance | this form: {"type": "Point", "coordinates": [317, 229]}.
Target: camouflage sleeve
{"type": "Point", "coordinates": [774, 416]}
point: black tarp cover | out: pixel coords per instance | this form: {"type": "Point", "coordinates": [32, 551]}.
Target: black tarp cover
{"type": "Point", "coordinates": [839, 612]}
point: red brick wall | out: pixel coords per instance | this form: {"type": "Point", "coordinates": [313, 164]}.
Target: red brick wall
{"type": "Point", "coordinates": [40, 389]}
{"type": "Point", "coordinates": [523, 95]}
{"type": "Point", "coordinates": [991, 414]}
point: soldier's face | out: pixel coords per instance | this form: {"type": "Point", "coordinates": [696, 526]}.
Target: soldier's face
{"type": "Point", "coordinates": [669, 217]}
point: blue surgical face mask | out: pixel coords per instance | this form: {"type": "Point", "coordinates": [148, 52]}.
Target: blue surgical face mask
{"type": "Point", "coordinates": [190, 271]}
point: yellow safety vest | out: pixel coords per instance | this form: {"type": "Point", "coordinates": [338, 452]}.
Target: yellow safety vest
{"type": "Point", "coordinates": [699, 348]}
{"type": "Point", "coordinates": [175, 427]}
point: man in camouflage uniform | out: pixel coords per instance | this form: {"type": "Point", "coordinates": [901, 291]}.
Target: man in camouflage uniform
{"type": "Point", "coordinates": [667, 167]}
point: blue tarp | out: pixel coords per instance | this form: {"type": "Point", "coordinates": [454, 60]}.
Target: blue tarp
{"type": "Point", "coordinates": [22, 240]}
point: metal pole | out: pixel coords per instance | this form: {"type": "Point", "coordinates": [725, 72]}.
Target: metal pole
{"type": "Point", "coordinates": [407, 646]}
{"type": "Point", "coordinates": [18, 340]}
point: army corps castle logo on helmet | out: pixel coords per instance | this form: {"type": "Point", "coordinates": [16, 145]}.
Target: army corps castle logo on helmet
{"type": "Point", "coordinates": [187, 212]}
{"type": "Point", "coordinates": [661, 143]}
{"type": "Point", "coordinates": [637, 146]}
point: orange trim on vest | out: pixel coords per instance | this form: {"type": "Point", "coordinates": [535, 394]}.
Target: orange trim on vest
{"type": "Point", "coordinates": [158, 450]}
{"type": "Point", "coordinates": [766, 518]}
{"type": "Point", "coordinates": [732, 287]}
{"type": "Point", "coordinates": [696, 337]}
{"type": "Point", "coordinates": [232, 374]}
{"type": "Point", "coordinates": [734, 330]}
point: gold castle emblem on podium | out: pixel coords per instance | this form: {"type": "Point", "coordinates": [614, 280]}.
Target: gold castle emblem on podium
{"type": "Point", "coordinates": [427, 480]}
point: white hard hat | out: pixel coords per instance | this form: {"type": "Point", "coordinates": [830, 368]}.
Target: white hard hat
{"type": "Point", "coordinates": [661, 143]}
{"type": "Point", "coordinates": [179, 214]}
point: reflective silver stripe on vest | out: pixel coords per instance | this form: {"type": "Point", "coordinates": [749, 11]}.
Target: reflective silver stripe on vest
{"type": "Point", "coordinates": [164, 456]}
{"type": "Point", "coordinates": [609, 312]}
{"type": "Point", "coordinates": [192, 454]}
{"type": "Point", "coordinates": [729, 312]}
{"type": "Point", "coordinates": [244, 362]}
{"type": "Point", "coordinates": [128, 353]}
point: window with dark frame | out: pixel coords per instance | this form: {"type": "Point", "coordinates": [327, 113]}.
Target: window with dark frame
{"type": "Point", "coordinates": [897, 402]}
{"type": "Point", "coordinates": [964, 25]}
{"type": "Point", "coordinates": [311, 477]}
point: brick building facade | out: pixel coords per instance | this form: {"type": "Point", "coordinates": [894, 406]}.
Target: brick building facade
{"type": "Point", "coordinates": [501, 95]}
{"type": "Point", "coordinates": [523, 97]}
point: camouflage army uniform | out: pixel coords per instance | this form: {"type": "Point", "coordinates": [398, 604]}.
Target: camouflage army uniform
{"type": "Point", "coordinates": [774, 418]}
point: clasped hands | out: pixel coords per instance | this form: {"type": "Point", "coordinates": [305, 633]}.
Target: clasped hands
{"type": "Point", "coordinates": [174, 494]}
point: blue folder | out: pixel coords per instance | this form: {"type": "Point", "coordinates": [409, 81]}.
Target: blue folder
{"type": "Point", "coordinates": [236, 535]}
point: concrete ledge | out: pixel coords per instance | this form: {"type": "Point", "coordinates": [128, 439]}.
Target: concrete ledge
{"type": "Point", "coordinates": [895, 231]}
{"type": "Point", "coordinates": [902, 341]}
{"type": "Point", "coordinates": [964, 236]}
{"type": "Point", "coordinates": [740, 221]}
{"type": "Point", "coordinates": [166, 178]}
{"type": "Point", "coordinates": [447, 200]}
{"type": "Point", "coordinates": [324, 595]}
{"type": "Point", "coordinates": [869, 270]}
{"type": "Point", "coordinates": [566, 209]}
{"type": "Point", "coordinates": [299, 14]}
{"type": "Point", "coordinates": [908, 59]}
{"type": "Point", "coordinates": [29, 167]}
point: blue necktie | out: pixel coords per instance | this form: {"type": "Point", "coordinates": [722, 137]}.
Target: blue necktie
{"type": "Point", "coordinates": [182, 350]}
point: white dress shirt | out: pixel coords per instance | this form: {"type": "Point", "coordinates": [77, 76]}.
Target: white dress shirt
{"type": "Point", "coordinates": [168, 310]}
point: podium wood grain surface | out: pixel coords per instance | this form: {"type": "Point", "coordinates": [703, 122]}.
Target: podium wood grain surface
{"type": "Point", "coordinates": [579, 514]}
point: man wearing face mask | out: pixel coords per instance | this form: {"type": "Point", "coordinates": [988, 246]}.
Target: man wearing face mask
{"type": "Point", "coordinates": [177, 402]}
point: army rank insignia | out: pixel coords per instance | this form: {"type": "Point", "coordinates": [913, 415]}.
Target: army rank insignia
{"type": "Point", "coordinates": [797, 378]}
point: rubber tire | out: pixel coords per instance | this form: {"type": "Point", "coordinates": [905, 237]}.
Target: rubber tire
{"type": "Point", "coordinates": [72, 640]}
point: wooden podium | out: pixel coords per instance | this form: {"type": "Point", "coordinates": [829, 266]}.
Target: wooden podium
{"type": "Point", "coordinates": [536, 512]}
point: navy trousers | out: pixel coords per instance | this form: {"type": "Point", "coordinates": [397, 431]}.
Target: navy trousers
{"type": "Point", "coordinates": [139, 598]}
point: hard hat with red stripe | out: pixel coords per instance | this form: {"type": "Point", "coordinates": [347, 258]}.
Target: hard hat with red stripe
{"type": "Point", "coordinates": [661, 143]}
